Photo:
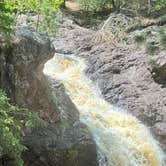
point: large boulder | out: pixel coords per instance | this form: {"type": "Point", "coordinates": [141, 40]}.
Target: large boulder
{"type": "Point", "coordinates": [22, 61]}
{"type": "Point", "coordinates": [65, 141]}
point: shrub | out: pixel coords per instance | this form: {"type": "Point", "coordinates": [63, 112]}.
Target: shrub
{"type": "Point", "coordinates": [13, 121]}
{"type": "Point", "coordinates": [46, 9]}
{"type": "Point", "coordinates": [6, 18]}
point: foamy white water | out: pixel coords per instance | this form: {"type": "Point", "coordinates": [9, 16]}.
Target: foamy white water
{"type": "Point", "coordinates": [119, 136]}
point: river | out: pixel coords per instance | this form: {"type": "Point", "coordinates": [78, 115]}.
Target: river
{"type": "Point", "coordinates": [119, 135]}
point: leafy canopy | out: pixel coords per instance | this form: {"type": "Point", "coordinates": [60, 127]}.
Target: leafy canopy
{"type": "Point", "coordinates": [6, 18]}
{"type": "Point", "coordinates": [46, 9]}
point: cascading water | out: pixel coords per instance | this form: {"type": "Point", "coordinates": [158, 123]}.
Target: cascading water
{"type": "Point", "coordinates": [119, 136]}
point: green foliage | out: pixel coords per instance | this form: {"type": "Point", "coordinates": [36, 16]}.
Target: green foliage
{"type": "Point", "coordinates": [49, 14]}
{"type": "Point", "coordinates": [13, 121]}
{"type": "Point", "coordinates": [46, 9]}
{"type": "Point", "coordinates": [139, 38]}
{"type": "Point", "coordinates": [34, 6]}
{"type": "Point", "coordinates": [158, 4]}
{"type": "Point", "coordinates": [151, 48]}
{"type": "Point", "coordinates": [100, 5]}
{"type": "Point", "coordinates": [94, 5]}
{"type": "Point", "coordinates": [6, 18]}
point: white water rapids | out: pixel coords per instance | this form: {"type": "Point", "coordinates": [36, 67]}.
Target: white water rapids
{"type": "Point", "coordinates": [119, 136]}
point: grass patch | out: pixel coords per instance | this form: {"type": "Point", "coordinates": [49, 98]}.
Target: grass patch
{"type": "Point", "coordinates": [151, 48]}
{"type": "Point", "coordinates": [139, 38]}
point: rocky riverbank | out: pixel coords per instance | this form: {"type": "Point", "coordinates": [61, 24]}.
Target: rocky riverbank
{"type": "Point", "coordinates": [124, 73]}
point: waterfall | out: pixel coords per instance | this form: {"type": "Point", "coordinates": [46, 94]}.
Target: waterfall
{"type": "Point", "coordinates": [120, 137]}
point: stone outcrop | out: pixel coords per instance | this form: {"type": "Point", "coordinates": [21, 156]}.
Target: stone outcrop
{"type": "Point", "coordinates": [123, 74]}
{"type": "Point", "coordinates": [65, 141]}
{"type": "Point", "coordinates": [21, 71]}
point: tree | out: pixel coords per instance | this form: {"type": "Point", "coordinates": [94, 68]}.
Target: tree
{"type": "Point", "coordinates": [46, 9]}
{"type": "Point", "coordinates": [6, 18]}
{"type": "Point", "coordinates": [14, 120]}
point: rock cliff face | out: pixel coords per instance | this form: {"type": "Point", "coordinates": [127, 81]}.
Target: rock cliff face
{"type": "Point", "coordinates": [123, 74]}
{"type": "Point", "coordinates": [21, 70]}
{"type": "Point", "coordinates": [65, 141]}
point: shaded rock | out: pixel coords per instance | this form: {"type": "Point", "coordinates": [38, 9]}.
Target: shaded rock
{"type": "Point", "coordinates": [60, 145]}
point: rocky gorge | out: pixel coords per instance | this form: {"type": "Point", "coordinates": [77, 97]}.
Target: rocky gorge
{"type": "Point", "coordinates": [65, 141]}
{"type": "Point", "coordinates": [121, 71]}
